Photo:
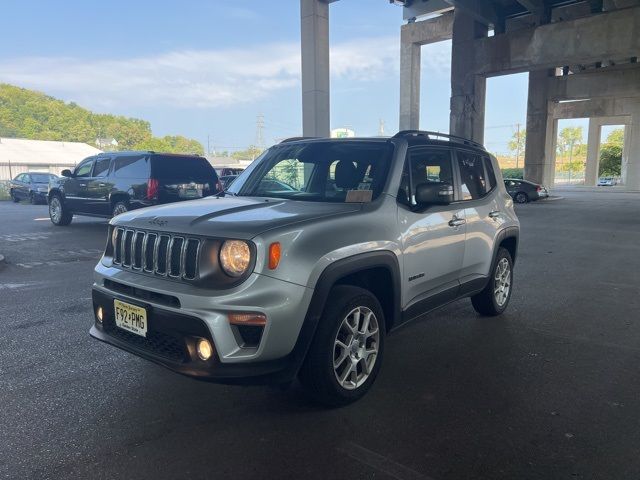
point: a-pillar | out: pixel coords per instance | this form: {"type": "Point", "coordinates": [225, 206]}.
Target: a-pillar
{"type": "Point", "coordinates": [468, 90]}
{"type": "Point", "coordinates": [593, 152]}
{"type": "Point", "coordinates": [631, 153]}
{"type": "Point", "coordinates": [315, 67]}
{"type": "Point", "coordinates": [539, 156]}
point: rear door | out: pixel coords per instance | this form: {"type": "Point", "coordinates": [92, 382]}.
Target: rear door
{"type": "Point", "coordinates": [19, 188]}
{"type": "Point", "coordinates": [129, 177]}
{"type": "Point", "coordinates": [432, 238]}
{"type": "Point", "coordinates": [479, 198]}
{"type": "Point", "coordinates": [183, 177]}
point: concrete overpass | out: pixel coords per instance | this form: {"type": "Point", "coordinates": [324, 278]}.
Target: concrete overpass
{"type": "Point", "coordinates": [581, 57]}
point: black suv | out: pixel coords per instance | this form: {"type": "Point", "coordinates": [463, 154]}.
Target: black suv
{"type": "Point", "coordinates": [112, 183]}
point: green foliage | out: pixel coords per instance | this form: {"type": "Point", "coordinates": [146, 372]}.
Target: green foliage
{"type": "Point", "coordinates": [518, 141]}
{"type": "Point", "coordinates": [513, 173]}
{"type": "Point", "coordinates": [171, 144]}
{"type": "Point", "coordinates": [611, 154]}
{"type": "Point", "coordinates": [249, 154]}
{"type": "Point", "coordinates": [569, 138]}
{"type": "Point", "coordinates": [34, 115]}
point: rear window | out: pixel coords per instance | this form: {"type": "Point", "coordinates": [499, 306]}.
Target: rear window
{"type": "Point", "coordinates": [183, 169]}
{"type": "Point", "coordinates": [131, 166]}
{"type": "Point", "coordinates": [41, 177]}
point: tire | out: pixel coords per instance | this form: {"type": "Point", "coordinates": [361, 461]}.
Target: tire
{"type": "Point", "coordinates": [13, 197]}
{"type": "Point", "coordinates": [318, 375]}
{"type": "Point", "coordinates": [118, 208]}
{"type": "Point", "coordinates": [59, 213]}
{"type": "Point", "coordinates": [489, 301]}
{"type": "Point", "coordinates": [32, 199]}
{"type": "Point", "coordinates": [521, 197]}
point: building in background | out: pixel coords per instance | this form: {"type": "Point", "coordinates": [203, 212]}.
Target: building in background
{"type": "Point", "coordinates": [107, 144]}
{"type": "Point", "coordinates": [19, 155]}
{"type": "Point", "coordinates": [342, 133]}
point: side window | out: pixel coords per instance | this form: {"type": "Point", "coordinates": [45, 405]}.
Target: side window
{"type": "Point", "coordinates": [472, 175]}
{"type": "Point", "coordinates": [101, 168]}
{"type": "Point", "coordinates": [26, 178]}
{"type": "Point", "coordinates": [491, 176]}
{"type": "Point", "coordinates": [424, 165]}
{"type": "Point", "coordinates": [131, 167]}
{"type": "Point", "coordinates": [84, 169]}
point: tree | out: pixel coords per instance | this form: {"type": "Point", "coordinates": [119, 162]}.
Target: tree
{"type": "Point", "coordinates": [611, 154]}
{"type": "Point", "coordinates": [249, 154]}
{"type": "Point", "coordinates": [569, 138]}
{"type": "Point", "coordinates": [517, 143]}
{"type": "Point", "coordinates": [171, 144]}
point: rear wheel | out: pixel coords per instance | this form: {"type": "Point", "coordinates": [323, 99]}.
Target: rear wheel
{"type": "Point", "coordinates": [346, 353]}
{"type": "Point", "coordinates": [119, 207]}
{"type": "Point", "coordinates": [521, 197]}
{"type": "Point", "coordinates": [493, 300]}
{"type": "Point", "coordinates": [12, 194]}
{"type": "Point", "coordinates": [59, 213]}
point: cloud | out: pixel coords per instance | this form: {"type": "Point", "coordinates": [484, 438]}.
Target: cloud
{"type": "Point", "coordinates": [198, 78]}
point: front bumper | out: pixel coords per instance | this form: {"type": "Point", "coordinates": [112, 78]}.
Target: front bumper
{"type": "Point", "coordinates": [173, 329]}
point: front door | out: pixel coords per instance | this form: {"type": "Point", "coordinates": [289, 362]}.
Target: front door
{"type": "Point", "coordinates": [433, 239]}
{"type": "Point", "coordinates": [75, 187]}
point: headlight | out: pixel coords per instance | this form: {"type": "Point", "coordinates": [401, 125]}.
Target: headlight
{"type": "Point", "coordinates": [235, 257]}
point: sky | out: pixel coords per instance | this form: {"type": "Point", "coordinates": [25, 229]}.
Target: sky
{"type": "Point", "coordinates": [207, 69]}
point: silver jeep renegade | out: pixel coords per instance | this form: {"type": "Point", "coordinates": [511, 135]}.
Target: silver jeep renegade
{"type": "Point", "coordinates": [311, 257]}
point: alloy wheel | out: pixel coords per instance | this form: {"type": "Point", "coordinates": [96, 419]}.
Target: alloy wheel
{"type": "Point", "coordinates": [502, 282]}
{"type": "Point", "coordinates": [356, 348]}
{"type": "Point", "coordinates": [55, 209]}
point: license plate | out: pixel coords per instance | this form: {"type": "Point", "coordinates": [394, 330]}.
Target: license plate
{"type": "Point", "coordinates": [191, 193]}
{"type": "Point", "coordinates": [131, 317]}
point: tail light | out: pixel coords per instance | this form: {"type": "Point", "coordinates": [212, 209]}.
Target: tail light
{"type": "Point", "coordinates": [152, 189]}
{"type": "Point", "coordinates": [538, 188]}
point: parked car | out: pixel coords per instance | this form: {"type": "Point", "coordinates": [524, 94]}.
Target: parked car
{"type": "Point", "coordinates": [112, 183]}
{"type": "Point", "coordinates": [226, 171]}
{"type": "Point", "coordinates": [606, 182]}
{"type": "Point", "coordinates": [263, 285]}
{"type": "Point", "coordinates": [523, 191]}
{"type": "Point", "coordinates": [227, 180]}
{"type": "Point", "coordinates": [32, 186]}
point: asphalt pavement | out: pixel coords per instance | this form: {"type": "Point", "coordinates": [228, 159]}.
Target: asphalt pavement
{"type": "Point", "coordinates": [549, 390]}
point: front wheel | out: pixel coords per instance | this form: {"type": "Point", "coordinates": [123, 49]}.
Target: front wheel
{"type": "Point", "coordinates": [493, 300]}
{"type": "Point", "coordinates": [59, 213]}
{"type": "Point", "coordinates": [32, 199]}
{"type": "Point", "coordinates": [118, 208]}
{"type": "Point", "coordinates": [346, 353]}
{"type": "Point", "coordinates": [12, 194]}
{"type": "Point", "coordinates": [522, 197]}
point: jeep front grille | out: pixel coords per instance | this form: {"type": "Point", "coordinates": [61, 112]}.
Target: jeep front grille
{"type": "Point", "coordinates": [164, 254]}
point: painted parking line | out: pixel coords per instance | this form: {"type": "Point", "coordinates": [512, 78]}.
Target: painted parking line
{"type": "Point", "coordinates": [41, 219]}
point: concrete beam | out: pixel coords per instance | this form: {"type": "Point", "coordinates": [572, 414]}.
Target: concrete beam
{"type": "Point", "coordinates": [604, 82]}
{"type": "Point", "coordinates": [598, 107]}
{"type": "Point", "coordinates": [433, 30]}
{"type": "Point", "coordinates": [586, 40]}
{"type": "Point", "coordinates": [483, 12]}
{"type": "Point", "coordinates": [314, 21]}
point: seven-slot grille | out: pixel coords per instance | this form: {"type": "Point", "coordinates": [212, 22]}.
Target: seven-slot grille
{"type": "Point", "coordinates": [165, 254]}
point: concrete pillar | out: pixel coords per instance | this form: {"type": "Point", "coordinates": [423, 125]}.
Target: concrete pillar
{"type": "Point", "coordinates": [632, 169]}
{"type": "Point", "coordinates": [409, 86]}
{"type": "Point", "coordinates": [315, 67]}
{"type": "Point", "coordinates": [593, 152]}
{"type": "Point", "coordinates": [468, 90]}
{"type": "Point", "coordinates": [539, 154]}
{"type": "Point", "coordinates": [625, 153]}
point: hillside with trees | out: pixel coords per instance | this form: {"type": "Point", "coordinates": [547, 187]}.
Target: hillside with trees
{"type": "Point", "coordinates": [36, 116]}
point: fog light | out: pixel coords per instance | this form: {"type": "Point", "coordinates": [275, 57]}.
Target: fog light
{"type": "Point", "coordinates": [99, 314]}
{"type": "Point", "coordinates": [204, 349]}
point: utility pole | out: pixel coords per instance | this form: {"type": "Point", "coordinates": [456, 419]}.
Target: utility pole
{"type": "Point", "coordinates": [208, 147]}
{"type": "Point", "coordinates": [381, 128]}
{"type": "Point", "coordinates": [517, 144]}
{"type": "Point", "coordinates": [259, 131]}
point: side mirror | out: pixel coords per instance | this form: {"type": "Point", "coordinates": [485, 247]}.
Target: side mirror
{"type": "Point", "coordinates": [434, 193]}
{"type": "Point", "coordinates": [66, 173]}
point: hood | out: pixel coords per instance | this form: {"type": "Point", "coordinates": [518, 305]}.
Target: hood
{"type": "Point", "coordinates": [230, 217]}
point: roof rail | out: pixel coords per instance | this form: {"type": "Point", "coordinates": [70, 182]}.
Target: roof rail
{"type": "Point", "coordinates": [294, 139]}
{"type": "Point", "coordinates": [428, 134]}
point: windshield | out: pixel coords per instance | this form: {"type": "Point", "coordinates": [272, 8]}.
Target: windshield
{"type": "Point", "coordinates": [41, 177]}
{"type": "Point", "coordinates": [353, 171]}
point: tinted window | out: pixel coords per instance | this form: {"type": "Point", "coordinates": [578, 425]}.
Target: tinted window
{"type": "Point", "coordinates": [424, 165]}
{"type": "Point", "coordinates": [472, 176]}
{"type": "Point", "coordinates": [26, 178]}
{"type": "Point", "coordinates": [40, 177]}
{"type": "Point", "coordinates": [102, 167]}
{"type": "Point", "coordinates": [131, 166]}
{"type": "Point", "coordinates": [183, 169]}
{"type": "Point", "coordinates": [84, 169]}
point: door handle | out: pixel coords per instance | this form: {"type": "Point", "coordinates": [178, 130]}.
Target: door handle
{"type": "Point", "coordinates": [495, 213]}
{"type": "Point", "coordinates": [82, 184]}
{"type": "Point", "coordinates": [456, 222]}
{"type": "Point", "coordinates": [102, 184]}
